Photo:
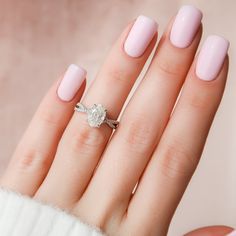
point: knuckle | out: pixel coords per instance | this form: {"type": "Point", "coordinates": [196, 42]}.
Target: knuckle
{"type": "Point", "coordinates": [33, 159]}
{"type": "Point", "coordinates": [47, 116]}
{"type": "Point", "coordinates": [198, 101]}
{"type": "Point", "coordinates": [176, 161]}
{"type": "Point", "coordinates": [86, 139]}
{"type": "Point", "coordinates": [117, 75]}
{"type": "Point", "coordinates": [170, 68]}
{"type": "Point", "coordinates": [138, 135]}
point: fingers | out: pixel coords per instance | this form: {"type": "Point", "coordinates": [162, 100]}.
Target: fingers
{"type": "Point", "coordinates": [181, 145]}
{"type": "Point", "coordinates": [81, 146]}
{"type": "Point", "coordinates": [35, 152]}
{"type": "Point", "coordinates": [140, 129]}
{"type": "Point", "coordinates": [211, 231]}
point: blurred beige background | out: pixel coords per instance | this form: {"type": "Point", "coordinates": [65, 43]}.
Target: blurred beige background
{"type": "Point", "coordinates": [38, 39]}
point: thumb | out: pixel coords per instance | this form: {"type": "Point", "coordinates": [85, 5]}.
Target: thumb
{"type": "Point", "coordinates": [211, 231]}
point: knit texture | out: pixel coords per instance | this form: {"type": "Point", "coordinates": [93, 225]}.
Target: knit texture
{"type": "Point", "coordinates": [23, 216]}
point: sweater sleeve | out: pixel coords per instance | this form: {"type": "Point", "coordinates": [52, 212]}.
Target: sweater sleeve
{"type": "Point", "coordinates": [23, 216]}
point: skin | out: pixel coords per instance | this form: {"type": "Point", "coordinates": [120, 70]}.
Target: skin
{"type": "Point", "coordinates": [156, 149]}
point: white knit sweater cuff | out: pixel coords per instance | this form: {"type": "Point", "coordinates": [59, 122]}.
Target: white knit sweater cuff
{"type": "Point", "coordinates": [23, 216]}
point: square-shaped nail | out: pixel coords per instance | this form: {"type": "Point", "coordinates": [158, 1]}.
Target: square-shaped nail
{"type": "Point", "coordinates": [140, 36]}
{"type": "Point", "coordinates": [185, 26]}
{"type": "Point", "coordinates": [211, 57]}
{"type": "Point", "coordinates": [71, 82]}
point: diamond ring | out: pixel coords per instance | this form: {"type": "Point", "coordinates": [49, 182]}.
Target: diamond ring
{"type": "Point", "coordinates": [97, 115]}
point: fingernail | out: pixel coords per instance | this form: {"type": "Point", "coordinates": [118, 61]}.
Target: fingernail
{"type": "Point", "coordinates": [140, 36]}
{"type": "Point", "coordinates": [185, 26]}
{"type": "Point", "coordinates": [233, 233]}
{"type": "Point", "coordinates": [211, 57]}
{"type": "Point", "coordinates": [71, 83]}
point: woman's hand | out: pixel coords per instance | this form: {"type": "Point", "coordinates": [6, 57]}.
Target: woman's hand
{"type": "Point", "coordinates": [159, 140]}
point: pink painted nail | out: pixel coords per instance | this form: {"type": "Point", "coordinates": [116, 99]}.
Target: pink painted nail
{"type": "Point", "coordinates": [185, 26]}
{"type": "Point", "coordinates": [71, 82]}
{"type": "Point", "coordinates": [211, 57]}
{"type": "Point", "coordinates": [140, 36]}
{"type": "Point", "coordinates": [233, 233]}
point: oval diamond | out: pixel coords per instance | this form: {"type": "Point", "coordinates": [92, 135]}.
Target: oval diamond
{"type": "Point", "coordinates": [96, 115]}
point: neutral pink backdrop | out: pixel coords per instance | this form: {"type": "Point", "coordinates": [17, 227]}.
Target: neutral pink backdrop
{"type": "Point", "coordinates": [38, 39]}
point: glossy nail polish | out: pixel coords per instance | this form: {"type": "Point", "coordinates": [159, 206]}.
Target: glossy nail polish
{"type": "Point", "coordinates": [185, 26]}
{"type": "Point", "coordinates": [211, 57]}
{"type": "Point", "coordinates": [140, 36]}
{"type": "Point", "coordinates": [71, 83]}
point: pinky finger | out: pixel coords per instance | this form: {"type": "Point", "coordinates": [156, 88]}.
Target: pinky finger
{"type": "Point", "coordinates": [36, 150]}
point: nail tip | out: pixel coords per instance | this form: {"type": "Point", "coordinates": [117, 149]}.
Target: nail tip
{"type": "Point", "coordinates": [216, 36]}
{"type": "Point", "coordinates": [149, 19]}
{"type": "Point", "coordinates": [222, 40]}
{"type": "Point", "coordinates": [76, 67]}
{"type": "Point", "coordinates": [192, 8]}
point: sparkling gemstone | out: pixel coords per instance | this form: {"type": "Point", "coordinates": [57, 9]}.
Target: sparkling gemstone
{"type": "Point", "coordinates": [96, 115]}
